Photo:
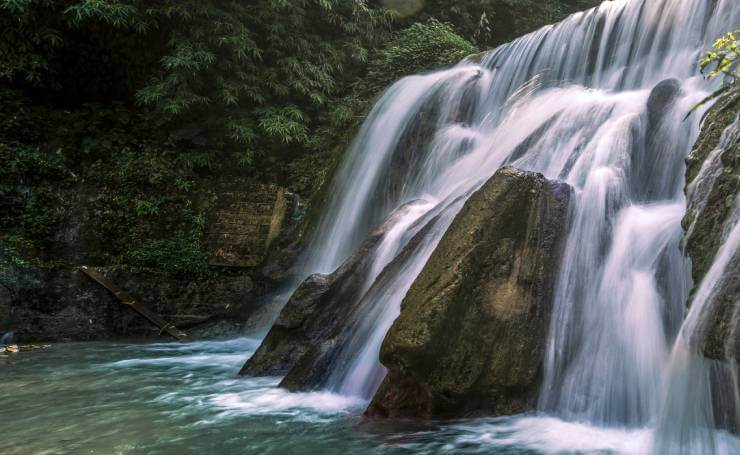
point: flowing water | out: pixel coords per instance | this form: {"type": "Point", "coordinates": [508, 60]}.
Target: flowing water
{"type": "Point", "coordinates": [597, 101]}
{"type": "Point", "coordinates": [174, 398]}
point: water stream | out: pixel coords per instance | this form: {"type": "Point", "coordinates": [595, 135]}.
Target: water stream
{"type": "Point", "coordinates": [175, 398]}
{"type": "Point", "coordinates": [597, 101]}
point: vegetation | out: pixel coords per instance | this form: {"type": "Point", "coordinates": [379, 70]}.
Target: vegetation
{"type": "Point", "coordinates": [116, 114]}
{"type": "Point", "coordinates": [113, 114]}
{"type": "Point", "coordinates": [722, 61]}
{"type": "Point", "coordinates": [489, 23]}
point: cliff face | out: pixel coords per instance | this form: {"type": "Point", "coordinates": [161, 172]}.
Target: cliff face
{"type": "Point", "coordinates": [471, 335]}
{"type": "Point", "coordinates": [66, 305]}
{"type": "Point", "coordinates": [247, 249]}
{"type": "Point", "coordinates": [713, 196]}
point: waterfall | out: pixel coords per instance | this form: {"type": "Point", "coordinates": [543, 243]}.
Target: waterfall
{"type": "Point", "coordinates": [708, 389]}
{"type": "Point", "coordinates": [597, 101]}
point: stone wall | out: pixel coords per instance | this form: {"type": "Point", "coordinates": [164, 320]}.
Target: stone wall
{"type": "Point", "coordinates": [243, 224]}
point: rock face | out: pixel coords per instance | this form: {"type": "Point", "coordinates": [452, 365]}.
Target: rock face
{"type": "Point", "coordinates": [319, 319]}
{"type": "Point", "coordinates": [243, 223]}
{"type": "Point", "coordinates": [251, 237]}
{"type": "Point", "coordinates": [723, 331]}
{"type": "Point", "coordinates": [471, 335]}
{"type": "Point", "coordinates": [70, 306]}
{"type": "Point", "coordinates": [316, 309]}
{"type": "Point", "coordinates": [713, 173]}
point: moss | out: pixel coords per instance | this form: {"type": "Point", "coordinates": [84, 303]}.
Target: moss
{"type": "Point", "coordinates": [714, 123]}
{"type": "Point", "coordinates": [472, 328]}
{"type": "Point", "coordinates": [98, 185]}
{"type": "Point", "coordinates": [704, 241]}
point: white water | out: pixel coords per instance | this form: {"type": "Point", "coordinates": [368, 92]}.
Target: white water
{"type": "Point", "coordinates": [569, 101]}
{"type": "Point", "coordinates": [175, 398]}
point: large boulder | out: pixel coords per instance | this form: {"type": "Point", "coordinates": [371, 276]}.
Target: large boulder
{"type": "Point", "coordinates": [656, 163]}
{"type": "Point", "coordinates": [328, 357]}
{"type": "Point", "coordinates": [713, 173]}
{"type": "Point", "coordinates": [315, 316]}
{"type": "Point", "coordinates": [472, 331]}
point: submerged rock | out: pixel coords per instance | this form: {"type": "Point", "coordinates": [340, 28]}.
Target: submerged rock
{"type": "Point", "coordinates": [472, 331]}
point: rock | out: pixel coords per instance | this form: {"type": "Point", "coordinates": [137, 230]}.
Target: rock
{"type": "Point", "coordinates": [656, 167]}
{"type": "Point", "coordinates": [707, 208]}
{"type": "Point", "coordinates": [65, 305]}
{"type": "Point", "coordinates": [661, 99]}
{"type": "Point", "coordinates": [314, 311]}
{"type": "Point", "coordinates": [722, 340]}
{"type": "Point", "coordinates": [244, 222]}
{"type": "Point", "coordinates": [313, 325]}
{"type": "Point", "coordinates": [292, 332]}
{"type": "Point", "coordinates": [332, 353]}
{"type": "Point", "coordinates": [471, 335]}
{"type": "Point", "coordinates": [713, 170]}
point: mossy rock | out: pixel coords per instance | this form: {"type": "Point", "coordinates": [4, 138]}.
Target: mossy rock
{"type": "Point", "coordinates": [713, 174]}
{"type": "Point", "coordinates": [471, 336]}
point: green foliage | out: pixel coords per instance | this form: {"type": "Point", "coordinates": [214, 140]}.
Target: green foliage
{"type": "Point", "coordinates": [722, 61]}
{"type": "Point", "coordinates": [418, 48]}
{"type": "Point", "coordinates": [489, 23]}
{"type": "Point", "coordinates": [181, 254]}
{"type": "Point", "coordinates": [109, 177]}
{"type": "Point", "coordinates": [256, 74]}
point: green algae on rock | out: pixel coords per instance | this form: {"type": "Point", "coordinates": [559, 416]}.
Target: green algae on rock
{"type": "Point", "coordinates": [713, 192]}
{"type": "Point", "coordinates": [471, 335]}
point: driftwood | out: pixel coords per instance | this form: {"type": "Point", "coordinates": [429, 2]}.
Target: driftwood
{"type": "Point", "coordinates": [126, 299]}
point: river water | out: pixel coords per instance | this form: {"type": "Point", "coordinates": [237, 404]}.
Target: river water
{"type": "Point", "coordinates": [607, 118]}
{"type": "Point", "coordinates": [161, 398]}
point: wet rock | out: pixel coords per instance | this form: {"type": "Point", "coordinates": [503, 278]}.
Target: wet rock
{"type": "Point", "coordinates": [713, 173]}
{"type": "Point", "coordinates": [661, 99]}
{"type": "Point", "coordinates": [318, 319]}
{"type": "Point", "coordinates": [329, 354]}
{"type": "Point", "coordinates": [710, 207]}
{"type": "Point", "coordinates": [656, 167]}
{"type": "Point", "coordinates": [471, 335]}
{"type": "Point", "coordinates": [316, 309]}
{"type": "Point", "coordinates": [722, 340]}
{"type": "Point", "coordinates": [292, 332]}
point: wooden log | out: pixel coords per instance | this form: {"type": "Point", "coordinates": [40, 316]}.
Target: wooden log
{"type": "Point", "coordinates": [126, 299]}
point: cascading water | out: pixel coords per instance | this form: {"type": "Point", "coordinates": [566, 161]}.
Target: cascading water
{"type": "Point", "coordinates": [597, 101]}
